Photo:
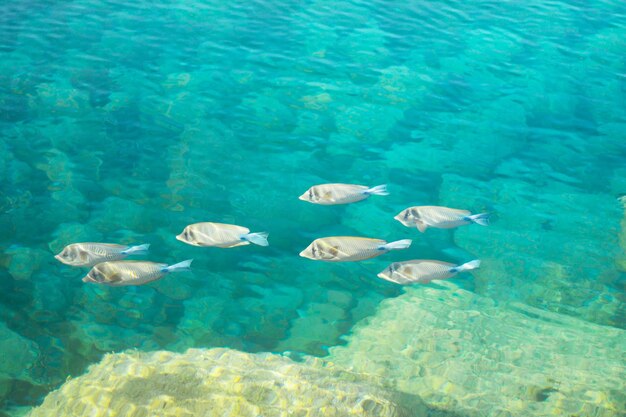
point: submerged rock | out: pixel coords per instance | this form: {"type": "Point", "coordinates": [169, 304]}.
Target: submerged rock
{"type": "Point", "coordinates": [366, 120]}
{"type": "Point", "coordinates": [19, 355]}
{"type": "Point", "coordinates": [217, 382]}
{"type": "Point", "coordinates": [621, 258]}
{"type": "Point", "coordinates": [550, 245]}
{"type": "Point", "coordinates": [24, 262]}
{"type": "Point", "coordinates": [465, 353]}
{"type": "Point", "coordinates": [67, 233]}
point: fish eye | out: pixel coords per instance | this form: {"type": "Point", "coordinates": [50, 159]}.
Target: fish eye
{"type": "Point", "coordinates": [406, 215]}
{"type": "Point", "coordinates": [310, 194]}
{"type": "Point", "coordinates": [313, 250]}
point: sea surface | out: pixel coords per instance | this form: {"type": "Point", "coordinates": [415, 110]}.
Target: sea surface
{"type": "Point", "coordinates": [124, 121]}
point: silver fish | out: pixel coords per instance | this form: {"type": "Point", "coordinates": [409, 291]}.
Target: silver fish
{"type": "Point", "coordinates": [329, 194]}
{"type": "Point", "coordinates": [120, 273]}
{"type": "Point", "coordinates": [350, 248]}
{"type": "Point", "coordinates": [220, 235]}
{"type": "Point", "coordinates": [424, 217]}
{"type": "Point", "coordinates": [424, 271]}
{"type": "Point", "coordinates": [90, 253]}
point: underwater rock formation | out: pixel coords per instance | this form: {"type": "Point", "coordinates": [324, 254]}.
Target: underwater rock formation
{"type": "Point", "coordinates": [463, 352]}
{"type": "Point", "coordinates": [621, 258]}
{"type": "Point", "coordinates": [556, 252]}
{"type": "Point", "coordinates": [19, 354]}
{"type": "Point", "coordinates": [217, 382]}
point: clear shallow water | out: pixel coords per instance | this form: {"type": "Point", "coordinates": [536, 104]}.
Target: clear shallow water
{"type": "Point", "coordinates": [125, 121]}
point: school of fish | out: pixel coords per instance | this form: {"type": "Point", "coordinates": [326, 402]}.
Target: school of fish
{"type": "Point", "coordinates": [109, 265]}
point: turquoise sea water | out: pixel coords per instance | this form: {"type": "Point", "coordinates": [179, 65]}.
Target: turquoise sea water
{"type": "Point", "coordinates": [123, 121]}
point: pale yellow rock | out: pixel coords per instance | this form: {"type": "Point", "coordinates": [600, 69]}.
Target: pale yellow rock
{"type": "Point", "coordinates": [467, 354]}
{"type": "Point", "coordinates": [217, 383]}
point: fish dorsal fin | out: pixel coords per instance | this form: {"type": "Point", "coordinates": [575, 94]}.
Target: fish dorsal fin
{"type": "Point", "coordinates": [460, 212]}
{"type": "Point", "coordinates": [442, 263]}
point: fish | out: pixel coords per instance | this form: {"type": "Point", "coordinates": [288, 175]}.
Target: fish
{"type": "Point", "coordinates": [350, 248]}
{"type": "Point", "coordinates": [330, 194]}
{"type": "Point", "coordinates": [424, 270]}
{"type": "Point", "coordinates": [121, 273]}
{"type": "Point", "coordinates": [221, 235]}
{"type": "Point", "coordinates": [439, 217]}
{"type": "Point", "coordinates": [91, 253]}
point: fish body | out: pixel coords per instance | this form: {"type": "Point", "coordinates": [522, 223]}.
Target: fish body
{"type": "Point", "coordinates": [331, 194]}
{"type": "Point", "coordinates": [121, 273]}
{"type": "Point", "coordinates": [439, 217]}
{"type": "Point", "coordinates": [423, 271]}
{"type": "Point", "coordinates": [91, 253]}
{"type": "Point", "coordinates": [220, 235]}
{"type": "Point", "coordinates": [349, 248]}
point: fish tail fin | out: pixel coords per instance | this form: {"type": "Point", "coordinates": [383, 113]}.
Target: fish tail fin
{"type": "Point", "coordinates": [137, 250]}
{"type": "Point", "coordinates": [481, 219]}
{"type": "Point", "coordinates": [181, 266]}
{"type": "Point", "coordinates": [468, 266]}
{"type": "Point", "coordinates": [378, 190]}
{"type": "Point", "coordinates": [259, 238]}
{"type": "Point", "coordinates": [398, 244]}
